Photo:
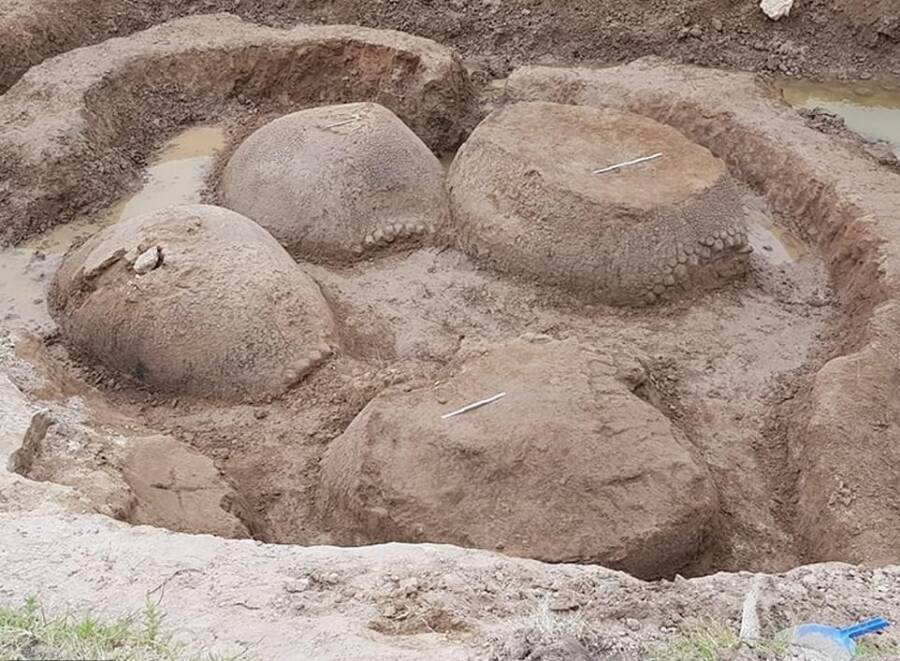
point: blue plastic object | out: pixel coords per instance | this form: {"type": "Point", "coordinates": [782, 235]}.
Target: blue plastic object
{"type": "Point", "coordinates": [826, 638]}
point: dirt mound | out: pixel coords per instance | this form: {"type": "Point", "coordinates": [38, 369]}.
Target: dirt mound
{"type": "Point", "coordinates": [337, 181]}
{"type": "Point", "coordinates": [569, 466]}
{"type": "Point", "coordinates": [193, 300]}
{"type": "Point", "coordinates": [525, 197]}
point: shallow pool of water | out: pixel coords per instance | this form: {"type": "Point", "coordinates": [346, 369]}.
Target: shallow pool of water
{"type": "Point", "coordinates": [773, 243]}
{"type": "Point", "coordinates": [870, 110]}
{"type": "Point", "coordinates": [176, 175]}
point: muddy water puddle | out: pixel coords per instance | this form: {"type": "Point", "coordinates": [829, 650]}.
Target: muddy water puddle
{"type": "Point", "coordinates": [870, 110]}
{"type": "Point", "coordinates": [769, 241]}
{"type": "Point", "coordinates": [176, 175]}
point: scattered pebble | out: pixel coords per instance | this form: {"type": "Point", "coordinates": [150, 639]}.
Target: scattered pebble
{"type": "Point", "coordinates": [148, 260]}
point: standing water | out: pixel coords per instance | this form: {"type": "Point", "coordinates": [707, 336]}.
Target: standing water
{"type": "Point", "coordinates": [870, 110]}
{"type": "Point", "coordinates": [176, 175]}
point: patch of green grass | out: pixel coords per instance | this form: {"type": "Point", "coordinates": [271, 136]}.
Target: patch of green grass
{"type": "Point", "coordinates": [709, 641]}
{"type": "Point", "coordinates": [27, 632]}
{"type": "Point", "coordinates": [702, 644]}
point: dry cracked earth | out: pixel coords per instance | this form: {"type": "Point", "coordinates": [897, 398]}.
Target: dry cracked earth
{"type": "Point", "coordinates": [531, 331]}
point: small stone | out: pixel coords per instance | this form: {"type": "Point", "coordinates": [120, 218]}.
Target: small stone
{"type": "Point", "coordinates": [632, 624]}
{"type": "Point", "coordinates": [148, 260]}
{"type": "Point", "coordinates": [259, 414]}
{"type": "Point", "coordinates": [299, 585]}
{"type": "Point", "coordinates": [696, 32]}
{"type": "Point", "coordinates": [717, 25]}
{"type": "Point", "coordinates": [369, 240]}
{"type": "Point", "coordinates": [669, 280]}
{"type": "Point", "coordinates": [563, 602]}
{"type": "Point", "coordinates": [718, 246]}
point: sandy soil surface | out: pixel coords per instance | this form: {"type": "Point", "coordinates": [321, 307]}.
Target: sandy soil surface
{"type": "Point", "coordinates": [398, 601]}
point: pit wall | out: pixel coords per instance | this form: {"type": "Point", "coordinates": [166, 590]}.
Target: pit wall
{"type": "Point", "coordinates": [33, 31]}
{"type": "Point", "coordinates": [845, 438]}
{"type": "Point", "coordinates": [75, 130]}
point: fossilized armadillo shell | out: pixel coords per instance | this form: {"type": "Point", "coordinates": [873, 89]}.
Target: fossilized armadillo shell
{"type": "Point", "coordinates": [196, 300]}
{"type": "Point", "coordinates": [525, 199]}
{"type": "Point", "coordinates": [337, 181]}
{"type": "Point", "coordinates": [570, 466]}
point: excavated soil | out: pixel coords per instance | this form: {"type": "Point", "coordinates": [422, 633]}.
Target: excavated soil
{"type": "Point", "coordinates": [716, 364]}
{"type": "Point", "coordinates": [782, 381]}
{"type": "Point", "coordinates": [831, 38]}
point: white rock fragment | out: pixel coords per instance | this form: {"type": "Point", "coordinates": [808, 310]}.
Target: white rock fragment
{"type": "Point", "coordinates": [776, 9]}
{"type": "Point", "coordinates": [148, 260]}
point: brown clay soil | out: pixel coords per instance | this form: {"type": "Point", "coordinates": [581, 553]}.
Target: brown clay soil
{"type": "Point", "coordinates": [731, 368]}
{"type": "Point", "coordinates": [716, 364]}
{"type": "Point", "coordinates": [830, 38]}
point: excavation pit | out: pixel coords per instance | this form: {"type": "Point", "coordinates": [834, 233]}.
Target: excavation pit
{"type": "Point", "coordinates": [732, 368]}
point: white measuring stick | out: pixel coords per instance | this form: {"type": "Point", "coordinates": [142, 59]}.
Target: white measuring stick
{"type": "Point", "coordinates": [355, 118]}
{"type": "Point", "coordinates": [474, 405]}
{"type": "Point", "coordinates": [635, 161]}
